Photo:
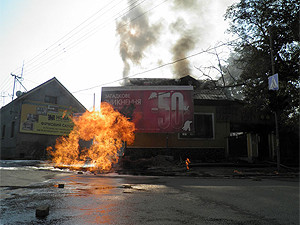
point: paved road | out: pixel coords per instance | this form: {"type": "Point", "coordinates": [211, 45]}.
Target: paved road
{"type": "Point", "coordinates": [93, 199]}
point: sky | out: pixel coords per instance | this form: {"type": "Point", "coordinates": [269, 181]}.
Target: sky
{"type": "Point", "coordinates": [88, 44]}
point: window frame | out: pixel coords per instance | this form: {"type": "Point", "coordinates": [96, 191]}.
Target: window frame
{"type": "Point", "coordinates": [194, 137]}
{"type": "Point", "coordinates": [50, 99]}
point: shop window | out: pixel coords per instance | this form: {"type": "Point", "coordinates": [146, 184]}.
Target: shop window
{"type": "Point", "coordinates": [3, 132]}
{"type": "Point", "coordinates": [203, 127]}
{"type": "Point", "coordinates": [50, 99]}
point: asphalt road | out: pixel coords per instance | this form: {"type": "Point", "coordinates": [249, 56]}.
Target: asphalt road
{"type": "Point", "coordinates": [114, 199]}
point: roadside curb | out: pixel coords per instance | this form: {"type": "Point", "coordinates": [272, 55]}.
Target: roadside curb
{"type": "Point", "coordinates": [211, 172]}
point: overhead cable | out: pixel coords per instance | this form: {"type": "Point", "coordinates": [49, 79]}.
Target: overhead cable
{"type": "Point", "coordinates": [155, 68]}
{"type": "Point", "coordinates": [87, 35]}
{"type": "Point", "coordinates": [57, 48]}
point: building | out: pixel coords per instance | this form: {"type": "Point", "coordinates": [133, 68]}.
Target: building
{"type": "Point", "coordinates": [222, 127]}
{"type": "Point", "coordinates": [33, 121]}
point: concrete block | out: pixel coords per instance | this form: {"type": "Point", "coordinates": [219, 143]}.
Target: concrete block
{"type": "Point", "coordinates": [42, 211]}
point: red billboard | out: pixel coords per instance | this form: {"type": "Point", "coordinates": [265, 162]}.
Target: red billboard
{"type": "Point", "coordinates": [154, 109]}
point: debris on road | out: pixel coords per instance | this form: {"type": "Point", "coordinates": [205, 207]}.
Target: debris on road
{"type": "Point", "coordinates": [42, 211]}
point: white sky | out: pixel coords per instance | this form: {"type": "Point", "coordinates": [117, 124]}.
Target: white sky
{"type": "Point", "coordinates": [38, 33]}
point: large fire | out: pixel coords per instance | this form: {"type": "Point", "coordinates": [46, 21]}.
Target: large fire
{"type": "Point", "coordinates": [104, 132]}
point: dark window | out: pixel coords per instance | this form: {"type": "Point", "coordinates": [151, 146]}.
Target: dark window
{"type": "Point", "coordinates": [203, 125]}
{"type": "Point", "coordinates": [3, 132]}
{"type": "Point", "coordinates": [50, 99]}
{"type": "Point", "coordinates": [12, 133]}
{"type": "Point", "coordinates": [51, 117]}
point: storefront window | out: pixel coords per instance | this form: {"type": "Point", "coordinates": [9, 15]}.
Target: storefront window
{"type": "Point", "coordinates": [203, 125]}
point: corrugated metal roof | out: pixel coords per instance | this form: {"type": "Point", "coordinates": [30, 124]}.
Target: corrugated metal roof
{"type": "Point", "coordinates": [203, 89]}
{"type": "Point", "coordinates": [211, 94]}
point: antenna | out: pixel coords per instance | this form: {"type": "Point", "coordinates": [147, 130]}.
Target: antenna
{"type": "Point", "coordinates": [15, 78]}
{"type": "Point", "coordinates": [22, 69]}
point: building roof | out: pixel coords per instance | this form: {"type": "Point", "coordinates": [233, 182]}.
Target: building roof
{"type": "Point", "coordinates": [203, 89]}
{"type": "Point", "coordinates": [25, 94]}
{"type": "Point", "coordinates": [211, 94]}
{"type": "Point", "coordinates": [151, 82]}
{"type": "Point", "coordinates": [186, 80]}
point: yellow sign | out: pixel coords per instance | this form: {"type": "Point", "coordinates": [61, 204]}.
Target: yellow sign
{"type": "Point", "coordinates": [46, 118]}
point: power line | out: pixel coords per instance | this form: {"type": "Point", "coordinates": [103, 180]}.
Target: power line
{"type": "Point", "coordinates": [155, 68]}
{"type": "Point", "coordinates": [58, 47]}
{"type": "Point", "coordinates": [158, 67]}
{"type": "Point", "coordinates": [82, 38]}
{"type": "Point", "coordinates": [92, 32]}
{"type": "Point", "coordinates": [4, 83]}
{"type": "Point", "coordinates": [47, 49]}
{"type": "Point", "coordinates": [7, 86]}
{"type": "Point", "coordinates": [87, 34]}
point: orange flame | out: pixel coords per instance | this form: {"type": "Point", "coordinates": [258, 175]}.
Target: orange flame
{"type": "Point", "coordinates": [187, 162]}
{"type": "Point", "coordinates": [236, 171]}
{"type": "Point", "coordinates": [105, 131]}
{"type": "Point", "coordinates": [64, 114]}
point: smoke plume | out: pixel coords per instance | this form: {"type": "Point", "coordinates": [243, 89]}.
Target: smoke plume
{"type": "Point", "coordinates": [185, 43]}
{"type": "Point", "coordinates": [136, 35]}
{"type": "Point", "coordinates": [186, 5]}
{"type": "Point", "coordinates": [186, 24]}
{"type": "Point", "coordinates": [188, 28]}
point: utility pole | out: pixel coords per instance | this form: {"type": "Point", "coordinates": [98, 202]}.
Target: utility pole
{"type": "Point", "coordinates": [16, 78]}
{"type": "Point", "coordinates": [275, 113]}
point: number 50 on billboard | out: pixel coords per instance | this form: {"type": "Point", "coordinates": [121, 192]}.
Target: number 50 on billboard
{"type": "Point", "coordinates": [154, 109]}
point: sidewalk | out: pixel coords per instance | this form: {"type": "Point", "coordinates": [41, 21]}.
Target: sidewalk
{"type": "Point", "coordinates": [238, 171]}
{"type": "Point", "coordinates": [208, 170]}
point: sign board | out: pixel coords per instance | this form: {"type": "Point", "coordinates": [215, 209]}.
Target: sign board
{"type": "Point", "coordinates": [45, 118]}
{"type": "Point", "coordinates": [273, 82]}
{"type": "Point", "coordinates": [154, 109]}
